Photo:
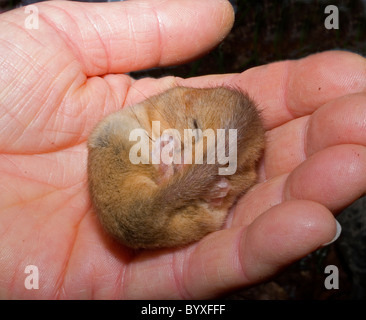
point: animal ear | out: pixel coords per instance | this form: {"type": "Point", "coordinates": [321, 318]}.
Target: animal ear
{"type": "Point", "coordinates": [218, 192]}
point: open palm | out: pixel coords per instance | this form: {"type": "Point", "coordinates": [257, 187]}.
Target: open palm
{"type": "Point", "coordinates": [58, 81]}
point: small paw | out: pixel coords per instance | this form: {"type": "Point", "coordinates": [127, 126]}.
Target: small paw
{"type": "Point", "coordinates": [218, 192]}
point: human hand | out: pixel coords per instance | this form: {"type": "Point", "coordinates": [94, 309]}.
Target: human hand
{"type": "Point", "coordinates": [61, 79]}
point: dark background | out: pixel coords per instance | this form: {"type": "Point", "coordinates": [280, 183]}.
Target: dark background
{"type": "Point", "coordinates": [268, 31]}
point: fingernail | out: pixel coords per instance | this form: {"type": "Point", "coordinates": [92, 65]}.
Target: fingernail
{"type": "Point", "coordinates": [338, 233]}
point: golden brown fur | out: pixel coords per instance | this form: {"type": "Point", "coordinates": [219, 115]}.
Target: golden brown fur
{"type": "Point", "coordinates": [151, 206]}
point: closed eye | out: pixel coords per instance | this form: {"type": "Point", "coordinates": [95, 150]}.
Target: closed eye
{"type": "Point", "coordinates": [195, 124]}
{"type": "Point", "coordinates": [197, 132]}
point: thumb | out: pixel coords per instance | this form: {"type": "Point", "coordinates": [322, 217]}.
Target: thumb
{"type": "Point", "coordinates": [125, 36]}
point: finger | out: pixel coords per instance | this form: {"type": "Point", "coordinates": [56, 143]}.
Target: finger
{"type": "Point", "coordinates": [284, 149]}
{"type": "Point", "coordinates": [238, 257]}
{"type": "Point", "coordinates": [289, 89]}
{"type": "Point", "coordinates": [324, 77]}
{"type": "Point", "coordinates": [259, 199]}
{"type": "Point", "coordinates": [334, 177]}
{"type": "Point", "coordinates": [126, 36]}
{"type": "Point", "coordinates": [340, 121]}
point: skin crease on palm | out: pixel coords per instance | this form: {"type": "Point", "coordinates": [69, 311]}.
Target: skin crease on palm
{"type": "Point", "coordinates": [58, 81]}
